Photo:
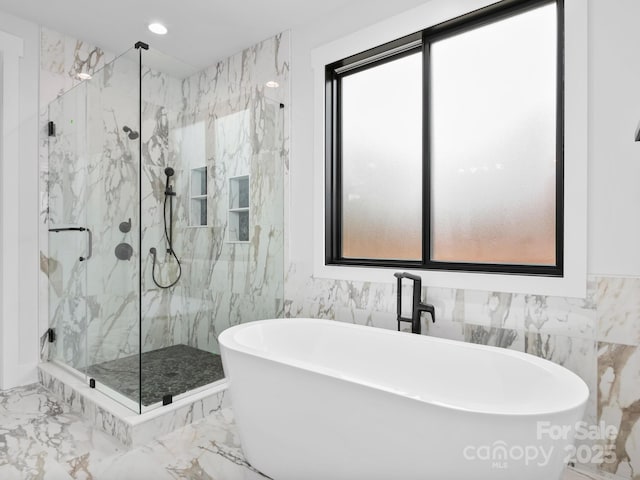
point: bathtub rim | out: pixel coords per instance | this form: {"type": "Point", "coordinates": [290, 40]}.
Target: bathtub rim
{"type": "Point", "coordinates": [228, 341]}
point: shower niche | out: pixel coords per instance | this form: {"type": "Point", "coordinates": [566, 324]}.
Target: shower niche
{"type": "Point", "coordinates": [198, 207]}
{"type": "Point", "coordinates": [139, 343]}
{"type": "Point", "coordinates": [239, 209]}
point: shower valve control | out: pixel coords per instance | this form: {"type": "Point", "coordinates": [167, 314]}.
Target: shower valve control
{"type": "Point", "coordinates": [125, 227]}
{"type": "Point", "coordinates": [124, 251]}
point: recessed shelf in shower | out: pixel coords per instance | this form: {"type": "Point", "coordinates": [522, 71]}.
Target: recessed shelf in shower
{"type": "Point", "coordinates": [198, 197]}
{"type": "Point", "coordinates": [239, 209]}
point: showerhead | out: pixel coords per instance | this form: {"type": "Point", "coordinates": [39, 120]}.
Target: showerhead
{"type": "Point", "coordinates": [169, 172]}
{"type": "Point", "coordinates": [132, 133]}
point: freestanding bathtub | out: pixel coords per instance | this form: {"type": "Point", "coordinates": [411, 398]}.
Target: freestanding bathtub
{"type": "Point", "coordinates": [324, 400]}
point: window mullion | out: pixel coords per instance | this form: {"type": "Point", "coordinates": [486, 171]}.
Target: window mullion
{"type": "Point", "coordinates": [426, 151]}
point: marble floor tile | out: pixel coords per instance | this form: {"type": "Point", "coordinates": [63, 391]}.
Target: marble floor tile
{"type": "Point", "coordinates": [40, 439]}
{"type": "Point", "coordinates": [582, 475]}
{"type": "Point", "coordinates": [573, 475]}
{"type": "Point", "coordinates": [38, 435]}
{"type": "Point", "coordinates": [206, 449]}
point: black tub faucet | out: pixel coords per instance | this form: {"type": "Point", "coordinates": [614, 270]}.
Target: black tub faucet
{"type": "Point", "coordinates": [418, 307]}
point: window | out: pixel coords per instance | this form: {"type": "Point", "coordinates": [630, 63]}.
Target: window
{"type": "Point", "coordinates": [444, 149]}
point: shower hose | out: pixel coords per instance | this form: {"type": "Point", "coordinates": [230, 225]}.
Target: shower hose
{"type": "Point", "coordinates": [169, 243]}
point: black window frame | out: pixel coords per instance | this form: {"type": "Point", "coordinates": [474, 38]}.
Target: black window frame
{"type": "Point", "coordinates": [396, 49]}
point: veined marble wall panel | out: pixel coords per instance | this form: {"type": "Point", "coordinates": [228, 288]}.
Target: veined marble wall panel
{"type": "Point", "coordinates": [220, 117]}
{"type": "Point", "coordinates": [619, 371]}
{"type": "Point", "coordinates": [226, 283]}
{"type": "Point", "coordinates": [61, 59]}
{"type": "Point", "coordinates": [618, 306]}
{"type": "Point", "coordinates": [161, 104]}
{"type": "Point", "coordinates": [113, 182]}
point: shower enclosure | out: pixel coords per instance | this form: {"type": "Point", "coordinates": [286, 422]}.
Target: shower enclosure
{"type": "Point", "coordinates": [165, 223]}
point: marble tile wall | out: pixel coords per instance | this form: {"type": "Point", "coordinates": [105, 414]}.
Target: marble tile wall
{"type": "Point", "coordinates": [598, 338]}
{"type": "Point", "coordinates": [231, 122]}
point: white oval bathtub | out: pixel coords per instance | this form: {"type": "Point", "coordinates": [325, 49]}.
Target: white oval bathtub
{"type": "Point", "coordinates": [324, 400]}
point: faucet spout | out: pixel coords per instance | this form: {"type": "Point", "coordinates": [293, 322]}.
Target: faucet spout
{"type": "Point", "coordinates": [425, 307]}
{"type": "Point", "coordinates": [418, 307]}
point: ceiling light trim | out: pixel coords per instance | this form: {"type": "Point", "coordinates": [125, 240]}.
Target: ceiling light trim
{"type": "Point", "coordinates": [157, 28]}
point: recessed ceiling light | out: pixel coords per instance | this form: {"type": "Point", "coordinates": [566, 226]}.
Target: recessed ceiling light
{"type": "Point", "coordinates": [272, 84]}
{"type": "Point", "coordinates": [158, 28]}
{"type": "Point", "coordinates": [84, 76]}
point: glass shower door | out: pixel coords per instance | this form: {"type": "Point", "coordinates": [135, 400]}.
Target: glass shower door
{"type": "Point", "coordinates": [68, 237]}
{"type": "Point", "coordinates": [113, 285]}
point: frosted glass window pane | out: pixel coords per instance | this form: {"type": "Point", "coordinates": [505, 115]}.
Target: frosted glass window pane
{"type": "Point", "coordinates": [382, 161]}
{"type": "Point", "coordinates": [493, 150]}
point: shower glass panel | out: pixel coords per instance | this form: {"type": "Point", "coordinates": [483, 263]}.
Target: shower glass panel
{"type": "Point", "coordinates": [179, 177]}
{"type": "Point", "coordinates": [204, 138]}
{"type": "Point", "coordinates": [68, 170]}
{"type": "Point", "coordinates": [94, 168]}
{"type": "Point", "coordinates": [113, 139]}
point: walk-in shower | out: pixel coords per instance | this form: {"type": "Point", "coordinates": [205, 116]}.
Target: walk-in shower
{"type": "Point", "coordinates": [165, 211]}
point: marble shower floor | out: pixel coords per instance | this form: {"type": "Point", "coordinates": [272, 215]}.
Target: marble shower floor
{"type": "Point", "coordinates": [40, 439]}
{"type": "Point", "coordinates": [171, 370]}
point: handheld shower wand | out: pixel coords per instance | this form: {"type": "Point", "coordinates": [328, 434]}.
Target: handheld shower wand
{"type": "Point", "coordinates": [168, 192]}
{"type": "Point", "coordinates": [169, 172]}
{"type": "Point", "coordinates": [168, 230]}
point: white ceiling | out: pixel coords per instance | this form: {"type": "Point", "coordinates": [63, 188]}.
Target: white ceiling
{"type": "Point", "coordinates": [201, 32]}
